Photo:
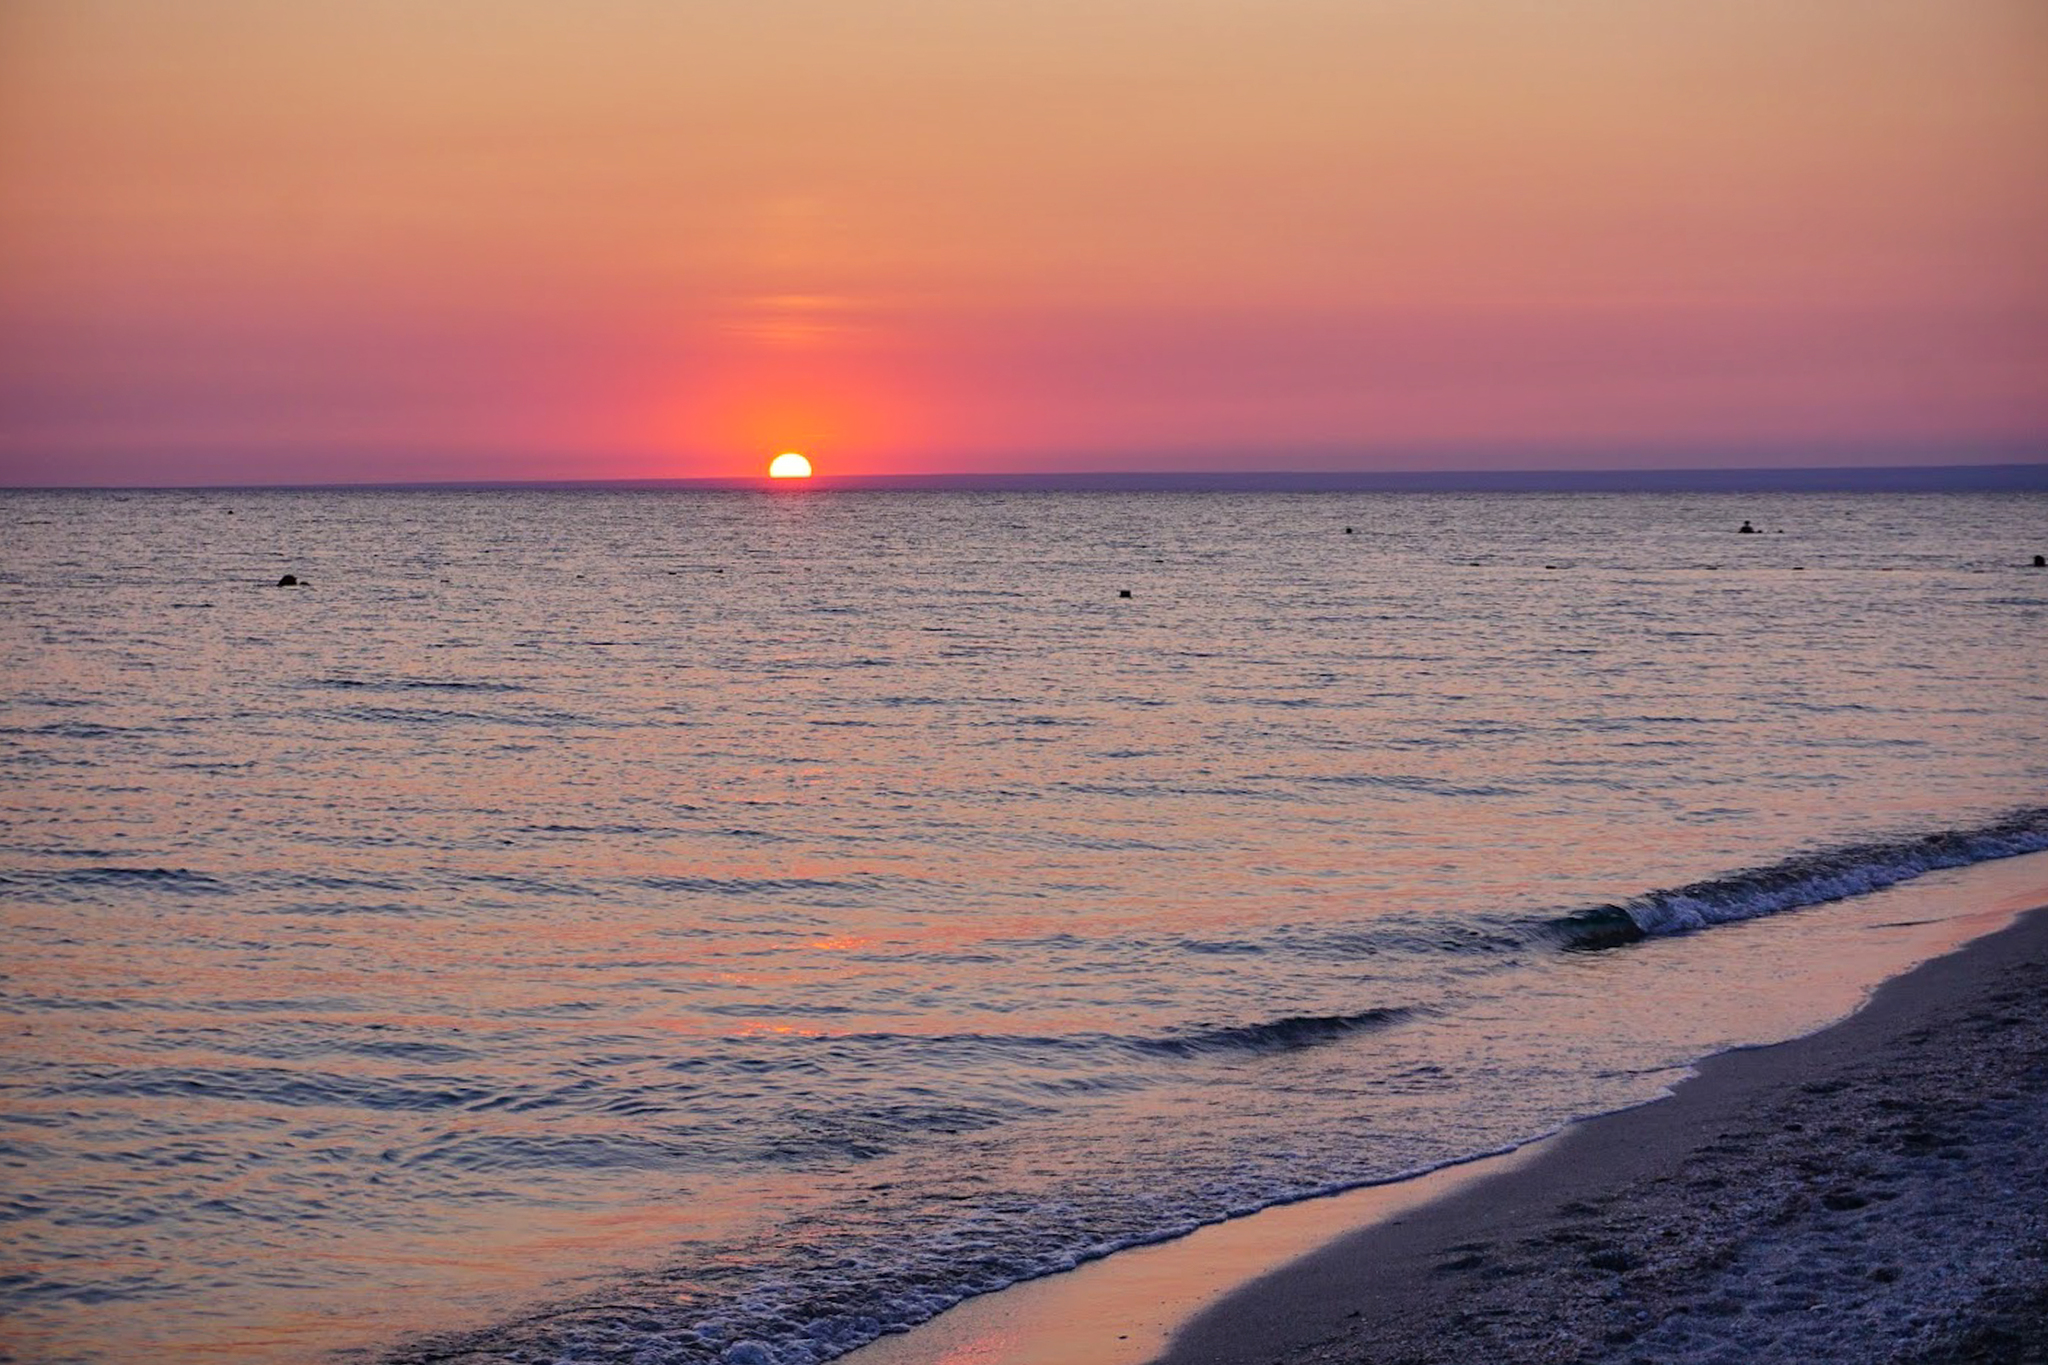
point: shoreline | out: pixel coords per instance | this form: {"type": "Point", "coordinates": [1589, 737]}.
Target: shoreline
{"type": "Point", "coordinates": [1871, 1192]}
{"type": "Point", "coordinates": [1124, 1308]}
{"type": "Point", "coordinates": [1241, 1292]}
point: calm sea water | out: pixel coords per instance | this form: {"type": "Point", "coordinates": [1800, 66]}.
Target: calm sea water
{"type": "Point", "coordinates": [721, 927]}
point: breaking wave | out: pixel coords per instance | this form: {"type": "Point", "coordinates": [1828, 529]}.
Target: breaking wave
{"type": "Point", "coordinates": [1796, 882]}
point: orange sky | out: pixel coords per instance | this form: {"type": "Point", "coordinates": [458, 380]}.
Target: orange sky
{"type": "Point", "coordinates": [513, 239]}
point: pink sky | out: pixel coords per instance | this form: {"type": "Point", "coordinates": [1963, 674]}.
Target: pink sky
{"type": "Point", "coordinates": [250, 241]}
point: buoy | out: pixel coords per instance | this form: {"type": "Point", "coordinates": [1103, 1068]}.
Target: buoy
{"type": "Point", "coordinates": [1123, 592]}
{"type": "Point", "coordinates": [2041, 561]}
{"type": "Point", "coordinates": [288, 581]}
{"type": "Point", "coordinates": [1348, 531]}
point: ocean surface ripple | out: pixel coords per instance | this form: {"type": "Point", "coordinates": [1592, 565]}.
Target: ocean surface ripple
{"type": "Point", "coordinates": [726, 927]}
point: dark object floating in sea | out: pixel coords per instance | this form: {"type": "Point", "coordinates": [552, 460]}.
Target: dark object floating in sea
{"type": "Point", "coordinates": [1348, 531]}
{"type": "Point", "coordinates": [2041, 561]}
{"type": "Point", "coordinates": [289, 581]}
{"type": "Point", "coordinates": [1746, 530]}
{"type": "Point", "coordinates": [1123, 592]}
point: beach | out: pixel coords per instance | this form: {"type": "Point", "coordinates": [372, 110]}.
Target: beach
{"type": "Point", "coordinates": [1872, 1192]}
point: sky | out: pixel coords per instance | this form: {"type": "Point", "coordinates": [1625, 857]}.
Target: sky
{"type": "Point", "coordinates": [257, 241]}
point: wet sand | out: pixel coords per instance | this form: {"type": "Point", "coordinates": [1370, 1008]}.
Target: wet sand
{"type": "Point", "coordinates": [1125, 1308]}
{"type": "Point", "coordinates": [1877, 1191]}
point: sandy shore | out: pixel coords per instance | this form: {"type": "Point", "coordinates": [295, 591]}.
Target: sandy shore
{"type": "Point", "coordinates": [1875, 1192]}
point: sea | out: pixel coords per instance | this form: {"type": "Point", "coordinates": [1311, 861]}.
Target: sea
{"type": "Point", "coordinates": [728, 926]}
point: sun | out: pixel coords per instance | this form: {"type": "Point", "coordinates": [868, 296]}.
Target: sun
{"type": "Point", "coordinates": [789, 465]}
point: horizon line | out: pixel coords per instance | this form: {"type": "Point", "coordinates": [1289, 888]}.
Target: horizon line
{"type": "Point", "coordinates": [2009, 475]}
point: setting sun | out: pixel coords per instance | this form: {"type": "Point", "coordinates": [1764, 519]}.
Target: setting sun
{"type": "Point", "coordinates": [789, 465]}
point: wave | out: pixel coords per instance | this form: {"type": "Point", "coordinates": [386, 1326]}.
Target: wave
{"type": "Point", "coordinates": [1274, 1035]}
{"type": "Point", "coordinates": [415, 685]}
{"type": "Point", "coordinates": [82, 883]}
{"type": "Point", "coordinates": [1277, 1035]}
{"type": "Point", "coordinates": [1796, 882]}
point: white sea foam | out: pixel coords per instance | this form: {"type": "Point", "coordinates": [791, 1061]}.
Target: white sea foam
{"type": "Point", "coordinates": [1830, 875]}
